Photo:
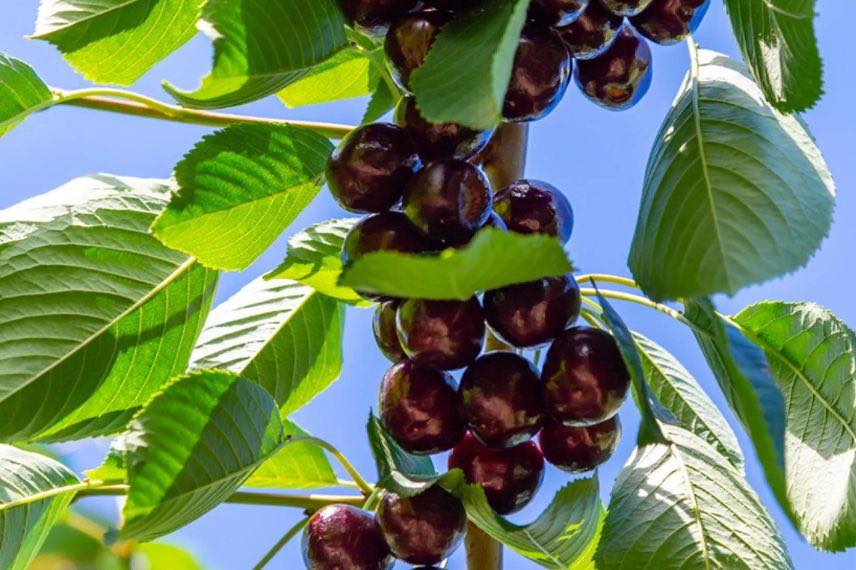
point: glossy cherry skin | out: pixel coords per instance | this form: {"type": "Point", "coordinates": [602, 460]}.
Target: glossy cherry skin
{"type": "Point", "coordinates": [448, 200]}
{"type": "Point", "coordinates": [510, 477]}
{"type": "Point", "coordinates": [535, 207]}
{"type": "Point", "coordinates": [420, 408]}
{"type": "Point", "coordinates": [371, 166]}
{"type": "Point", "coordinates": [626, 7]}
{"type": "Point", "coordinates": [592, 32]}
{"type": "Point", "coordinates": [409, 40]}
{"type": "Point", "coordinates": [528, 315]}
{"type": "Point", "coordinates": [579, 449]}
{"type": "Point", "coordinates": [442, 334]}
{"type": "Point", "coordinates": [540, 76]}
{"type": "Point", "coordinates": [501, 399]}
{"type": "Point", "coordinates": [584, 377]}
{"type": "Point", "coordinates": [454, 5]}
{"type": "Point", "coordinates": [424, 529]}
{"type": "Point", "coordinates": [556, 12]}
{"type": "Point", "coordinates": [385, 333]}
{"type": "Point", "coordinates": [444, 140]}
{"type": "Point", "coordinates": [619, 77]}
{"type": "Point", "coordinates": [342, 536]}
{"type": "Point", "coordinates": [374, 16]}
{"type": "Point", "coordinates": [668, 22]}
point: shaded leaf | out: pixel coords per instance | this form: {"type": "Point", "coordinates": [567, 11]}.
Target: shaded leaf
{"type": "Point", "coordinates": [21, 92]}
{"type": "Point", "coordinates": [398, 470]}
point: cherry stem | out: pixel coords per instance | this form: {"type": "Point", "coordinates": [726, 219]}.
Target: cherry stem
{"type": "Point", "coordinates": [365, 487]}
{"type": "Point", "coordinates": [291, 533]}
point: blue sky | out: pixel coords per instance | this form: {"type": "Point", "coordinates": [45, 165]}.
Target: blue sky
{"type": "Point", "coordinates": [596, 157]}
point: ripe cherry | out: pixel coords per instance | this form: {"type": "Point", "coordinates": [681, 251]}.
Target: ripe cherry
{"type": "Point", "coordinates": [579, 449]}
{"type": "Point", "coordinates": [424, 529]}
{"type": "Point", "coordinates": [530, 314]}
{"type": "Point", "coordinates": [409, 40]}
{"type": "Point", "coordinates": [626, 7]}
{"type": "Point", "coordinates": [584, 376]}
{"type": "Point", "coordinates": [592, 32]}
{"type": "Point", "coordinates": [448, 200]}
{"type": "Point", "coordinates": [444, 140]}
{"type": "Point", "coordinates": [667, 22]}
{"type": "Point", "coordinates": [420, 408]}
{"type": "Point", "coordinates": [385, 333]}
{"type": "Point", "coordinates": [556, 12]}
{"type": "Point", "coordinates": [510, 477]}
{"type": "Point", "coordinates": [342, 536]}
{"type": "Point", "coordinates": [618, 78]}
{"type": "Point", "coordinates": [454, 5]}
{"type": "Point", "coordinates": [540, 76]}
{"type": "Point", "coordinates": [535, 207]}
{"type": "Point", "coordinates": [501, 398]}
{"type": "Point", "coordinates": [371, 166]}
{"type": "Point", "coordinates": [374, 16]}
{"type": "Point", "coordinates": [442, 334]}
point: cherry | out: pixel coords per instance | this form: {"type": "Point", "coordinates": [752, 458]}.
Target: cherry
{"type": "Point", "coordinates": [501, 396]}
{"type": "Point", "coordinates": [385, 333]}
{"type": "Point", "coordinates": [444, 140]}
{"type": "Point", "coordinates": [535, 207]}
{"type": "Point", "coordinates": [342, 536]}
{"type": "Point", "coordinates": [420, 408]}
{"type": "Point", "coordinates": [530, 314]}
{"type": "Point", "coordinates": [374, 16]}
{"type": "Point", "coordinates": [424, 529]}
{"type": "Point", "coordinates": [626, 7]}
{"type": "Point", "coordinates": [510, 477]}
{"type": "Point", "coordinates": [592, 32]}
{"type": "Point", "coordinates": [579, 449]}
{"type": "Point", "coordinates": [667, 22]}
{"type": "Point", "coordinates": [442, 334]}
{"type": "Point", "coordinates": [448, 200]}
{"type": "Point", "coordinates": [556, 12]}
{"type": "Point", "coordinates": [369, 169]}
{"type": "Point", "coordinates": [540, 76]}
{"type": "Point", "coordinates": [584, 376]}
{"type": "Point", "coordinates": [619, 77]}
{"type": "Point", "coordinates": [409, 40]}
{"type": "Point", "coordinates": [454, 5]}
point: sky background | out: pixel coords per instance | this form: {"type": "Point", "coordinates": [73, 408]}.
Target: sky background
{"type": "Point", "coordinates": [595, 156]}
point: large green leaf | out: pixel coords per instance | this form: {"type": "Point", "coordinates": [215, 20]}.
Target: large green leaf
{"type": "Point", "coordinates": [300, 465]}
{"type": "Point", "coordinates": [239, 189]}
{"type": "Point", "coordinates": [735, 193]}
{"type": "Point", "coordinates": [681, 504]}
{"type": "Point", "coordinates": [280, 334]}
{"type": "Point", "coordinates": [812, 356]}
{"type": "Point", "coordinates": [261, 46]}
{"type": "Point", "coordinates": [95, 314]}
{"type": "Point", "coordinates": [116, 41]}
{"type": "Point", "coordinates": [347, 74]}
{"type": "Point", "coordinates": [34, 490]}
{"type": "Point", "coordinates": [192, 446]}
{"type": "Point", "coordinates": [485, 39]}
{"type": "Point", "coordinates": [492, 260]}
{"type": "Point", "coordinates": [779, 45]}
{"type": "Point", "coordinates": [21, 92]}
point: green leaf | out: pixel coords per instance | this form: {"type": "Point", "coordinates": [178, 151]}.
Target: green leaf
{"type": "Point", "coordinates": [192, 446]}
{"type": "Point", "coordinates": [314, 258]}
{"type": "Point", "coordinates": [681, 504]}
{"type": "Point", "coordinates": [812, 357]}
{"type": "Point", "coordinates": [381, 102]}
{"type": "Point", "coordinates": [239, 188]}
{"type": "Point", "coordinates": [735, 192]}
{"type": "Point", "coordinates": [21, 92]}
{"type": "Point", "coordinates": [280, 334]}
{"type": "Point", "coordinates": [493, 259]}
{"type": "Point", "coordinates": [484, 39]}
{"type": "Point", "coordinates": [95, 314]}
{"type": "Point", "coordinates": [153, 555]}
{"type": "Point", "coordinates": [398, 470]}
{"type": "Point", "coordinates": [262, 47]}
{"type": "Point", "coordinates": [779, 45]}
{"type": "Point", "coordinates": [34, 491]}
{"type": "Point", "coordinates": [300, 465]}
{"type": "Point", "coordinates": [346, 75]}
{"type": "Point", "coordinates": [116, 41]}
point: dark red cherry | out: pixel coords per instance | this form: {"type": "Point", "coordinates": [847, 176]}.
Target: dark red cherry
{"type": "Point", "coordinates": [424, 529]}
{"type": "Point", "coordinates": [535, 207]}
{"type": "Point", "coordinates": [584, 377]}
{"type": "Point", "coordinates": [454, 5]}
{"type": "Point", "coordinates": [667, 22]}
{"type": "Point", "coordinates": [448, 200]}
{"type": "Point", "coordinates": [374, 16]}
{"type": "Point", "coordinates": [619, 77]}
{"type": "Point", "coordinates": [501, 398]}
{"type": "Point", "coordinates": [444, 140]}
{"type": "Point", "coordinates": [592, 32]}
{"type": "Point", "coordinates": [556, 12]}
{"type": "Point", "coordinates": [342, 536]}
{"type": "Point", "coordinates": [371, 166]}
{"type": "Point", "coordinates": [626, 7]}
{"type": "Point", "coordinates": [540, 76]}
{"type": "Point", "coordinates": [442, 334]}
{"type": "Point", "coordinates": [420, 408]}
{"type": "Point", "coordinates": [579, 449]}
{"type": "Point", "coordinates": [530, 314]}
{"type": "Point", "coordinates": [510, 477]}
{"type": "Point", "coordinates": [385, 333]}
{"type": "Point", "coordinates": [409, 40]}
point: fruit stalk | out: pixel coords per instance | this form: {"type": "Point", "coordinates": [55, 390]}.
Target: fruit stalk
{"type": "Point", "coordinates": [483, 552]}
